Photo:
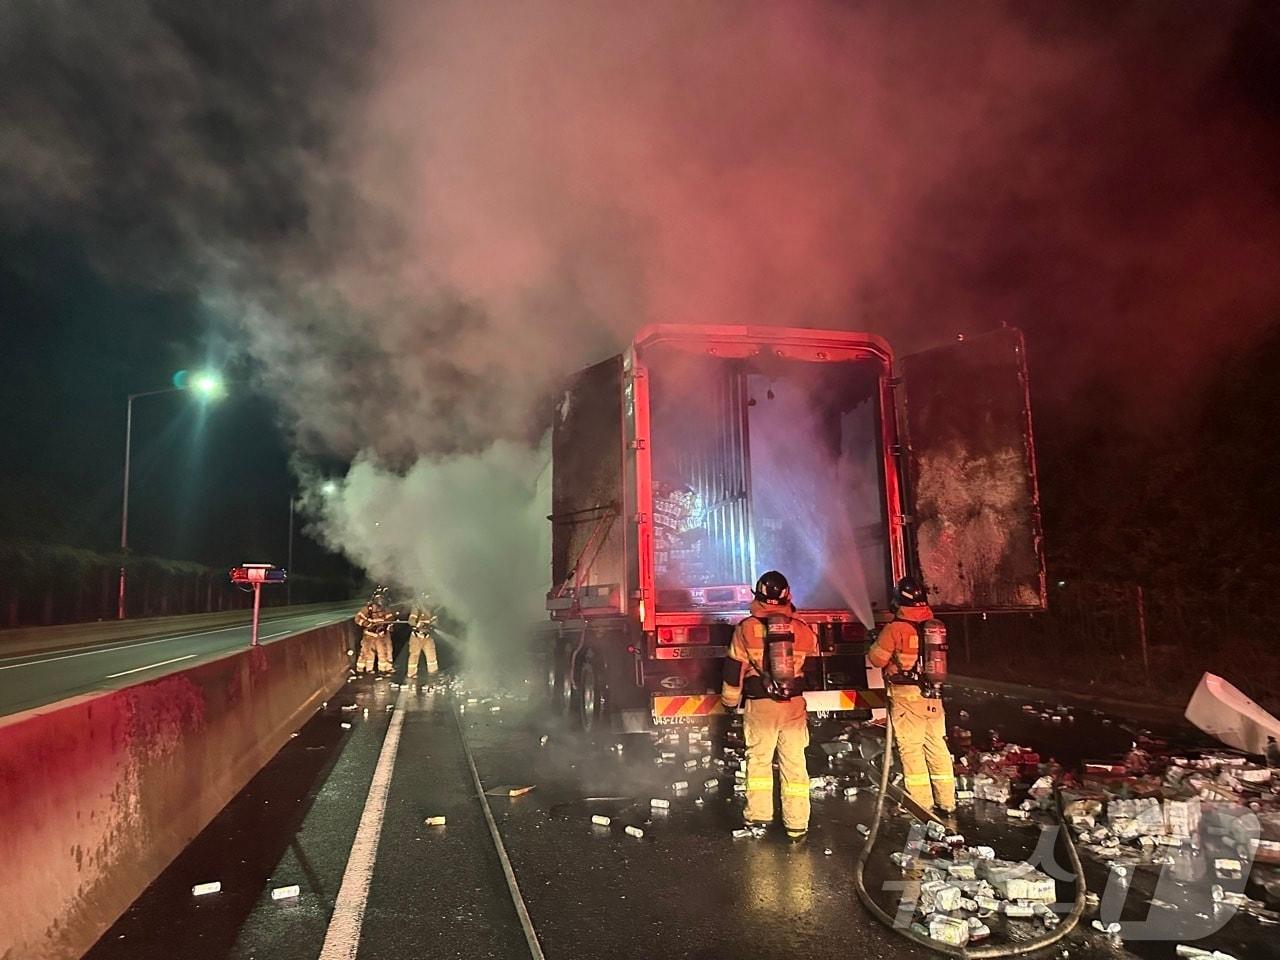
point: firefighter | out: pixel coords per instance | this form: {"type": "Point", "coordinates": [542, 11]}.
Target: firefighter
{"type": "Point", "coordinates": [374, 620]}
{"type": "Point", "coordinates": [422, 620]}
{"type": "Point", "coordinates": [765, 667]}
{"type": "Point", "coordinates": [919, 724]}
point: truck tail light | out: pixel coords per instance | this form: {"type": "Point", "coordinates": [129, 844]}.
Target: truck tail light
{"type": "Point", "coordinates": [674, 635]}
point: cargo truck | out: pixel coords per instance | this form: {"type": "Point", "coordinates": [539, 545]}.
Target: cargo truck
{"type": "Point", "coordinates": [703, 456]}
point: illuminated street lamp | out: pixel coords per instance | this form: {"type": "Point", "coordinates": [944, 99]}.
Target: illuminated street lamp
{"type": "Point", "coordinates": [328, 488]}
{"type": "Point", "coordinates": [207, 386]}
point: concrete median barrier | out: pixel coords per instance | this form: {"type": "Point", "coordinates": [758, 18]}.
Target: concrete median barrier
{"type": "Point", "coordinates": [102, 792]}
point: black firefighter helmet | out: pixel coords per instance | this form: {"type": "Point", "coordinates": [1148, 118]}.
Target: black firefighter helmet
{"type": "Point", "coordinates": [772, 588]}
{"type": "Point", "coordinates": [910, 593]}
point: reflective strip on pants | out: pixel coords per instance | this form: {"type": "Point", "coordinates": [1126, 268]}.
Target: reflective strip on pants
{"type": "Point", "coordinates": [919, 727]}
{"type": "Point", "coordinates": [770, 728]}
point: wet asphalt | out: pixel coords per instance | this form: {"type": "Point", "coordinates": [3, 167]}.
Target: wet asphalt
{"type": "Point", "coordinates": [687, 888]}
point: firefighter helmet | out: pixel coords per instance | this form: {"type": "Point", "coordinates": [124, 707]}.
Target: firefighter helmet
{"type": "Point", "coordinates": [772, 587]}
{"type": "Point", "coordinates": [911, 593]}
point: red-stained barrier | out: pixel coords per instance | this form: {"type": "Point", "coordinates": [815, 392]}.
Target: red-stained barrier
{"type": "Point", "coordinates": [100, 793]}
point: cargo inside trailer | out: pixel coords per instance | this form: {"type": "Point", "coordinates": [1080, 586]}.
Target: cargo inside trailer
{"type": "Point", "coordinates": [765, 463]}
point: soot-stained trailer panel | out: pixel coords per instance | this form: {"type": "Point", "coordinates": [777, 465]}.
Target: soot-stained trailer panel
{"type": "Point", "coordinates": [971, 465]}
{"type": "Point", "coordinates": [586, 496]}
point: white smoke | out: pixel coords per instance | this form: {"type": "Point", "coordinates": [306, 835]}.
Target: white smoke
{"type": "Point", "coordinates": [470, 529]}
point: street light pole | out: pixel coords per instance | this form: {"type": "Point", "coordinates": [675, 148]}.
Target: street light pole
{"type": "Point", "coordinates": [208, 386]}
{"type": "Point", "coordinates": [288, 584]}
{"type": "Point", "coordinates": [124, 508]}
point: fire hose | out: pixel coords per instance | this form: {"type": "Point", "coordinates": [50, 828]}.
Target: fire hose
{"type": "Point", "coordinates": [977, 953]}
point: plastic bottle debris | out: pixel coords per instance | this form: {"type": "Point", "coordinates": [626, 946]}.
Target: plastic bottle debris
{"type": "Point", "coordinates": [346, 726]}
{"type": "Point", "coordinates": [543, 741]}
{"type": "Point", "coordinates": [680, 785]}
{"type": "Point", "coordinates": [435, 821]}
{"type": "Point", "coordinates": [286, 893]}
{"type": "Point", "coordinates": [204, 889]}
{"type": "Point", "coordinates": [864, 829]}
{"type": "Point", "coordinates": [1016, 813]}
{"type": "Point", "coordinates": [660, 804]}
{"type": "Point", "coordinates": [633, 831]}
{"type": "Point", "coordinates": [711, 784]}
{"type": "Point", "coordinates": [741, 833]}
{"type": "Point", "coordinates": [347, 707]}
{"type": "Point", "coordinates": [827, 851]}
{"type": "Point", "coordinates": [600, 820]}
{"type": "Point", "coordinates": [850, 791]}
{"type": "Point", "coordinates": [690, 764]}
{"type": "Point", "coordinates": [666, 755]}
{"type": "Point", "coordinates": [366, 713]}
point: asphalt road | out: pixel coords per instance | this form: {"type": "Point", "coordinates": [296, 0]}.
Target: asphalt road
{"type": "Point", "coordinates": [36, 679]}
{"type": "Point", "coordinates": [687, 888]}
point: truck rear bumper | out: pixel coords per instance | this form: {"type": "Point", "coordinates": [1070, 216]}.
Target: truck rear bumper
{"type": "Point", "coordinates": [695, 708]}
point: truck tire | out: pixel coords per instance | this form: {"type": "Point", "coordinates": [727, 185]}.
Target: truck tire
{"type": "Point", "coordinates": [551, 679]}
{"type": "Point", "coordinates": [591, 695]}
{"type": "Point", "coordinates": [562, 696]}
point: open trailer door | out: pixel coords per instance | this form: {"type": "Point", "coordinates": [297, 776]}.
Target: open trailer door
{"type": "Point", "coordinates": [966, 416]}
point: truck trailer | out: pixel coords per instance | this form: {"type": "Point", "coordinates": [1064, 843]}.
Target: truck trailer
{"type": "Point", "coordinates": [702, 456]}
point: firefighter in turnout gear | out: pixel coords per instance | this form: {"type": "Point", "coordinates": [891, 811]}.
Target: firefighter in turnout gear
{"type": "Point", "coordinates": [422, 620]}
{"type": "Point", "coordinates": [919, 724]}
{"type": "Point", "coordinates": [765, 668]}
{"type": "Point", "coordinates": [375, 620]}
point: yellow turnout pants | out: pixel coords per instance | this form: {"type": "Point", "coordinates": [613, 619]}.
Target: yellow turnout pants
{"type": "Point", "coordinates": [368, 647]}
{"type": "Point", "coordinates": [920, 729]}
{"type": "Point", "coordinates": [385, 655]}
{"type": "Point", "coordinates": [769, 727]}
{"type": "Point", "coordinates": [421, 644]}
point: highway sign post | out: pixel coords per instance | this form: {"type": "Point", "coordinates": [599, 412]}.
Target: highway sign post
{"type": "Point", "coordinates": [256, 574]}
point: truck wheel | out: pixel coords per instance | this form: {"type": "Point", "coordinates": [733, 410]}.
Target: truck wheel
{"type": "Point", "coordinates": [591, 696]}
{"type": "Point", "coordinates": [551, 680]}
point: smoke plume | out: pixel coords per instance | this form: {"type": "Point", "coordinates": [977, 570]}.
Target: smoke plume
{"type": "Point", "coordinates": [417, 218]}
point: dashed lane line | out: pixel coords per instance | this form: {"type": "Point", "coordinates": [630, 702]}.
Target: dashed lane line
{"type": "Point", "coordinates": [150, 666]}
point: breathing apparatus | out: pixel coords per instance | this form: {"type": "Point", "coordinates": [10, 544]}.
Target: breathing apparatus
{"type": "Point", "coordinates": [929, 669]}
{"type": "Point", "coordinates": [778, 676]}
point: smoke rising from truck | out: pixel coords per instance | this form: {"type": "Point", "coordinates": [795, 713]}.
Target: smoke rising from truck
{"type": "Point", "coordinates": [470, 530]}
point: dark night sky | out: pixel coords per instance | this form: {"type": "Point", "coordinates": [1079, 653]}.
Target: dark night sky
{"type": "Point", "coordinates": [210, 481]}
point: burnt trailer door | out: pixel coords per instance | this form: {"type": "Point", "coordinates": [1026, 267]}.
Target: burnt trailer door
{"type": "Point", "coordinates": [587, 546]}
{"type": "Point", "coordinates": [966, 414]}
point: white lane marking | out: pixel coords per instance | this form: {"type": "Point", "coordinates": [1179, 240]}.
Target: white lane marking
{"type": "Point", "coordinates": [530, 935]}
{"type": "Point", "coordinates": [150, 666]}
{"type": "Point", "coordinates": [146, 643]}
{"type": "Point", "coordinates": [342, 939]}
